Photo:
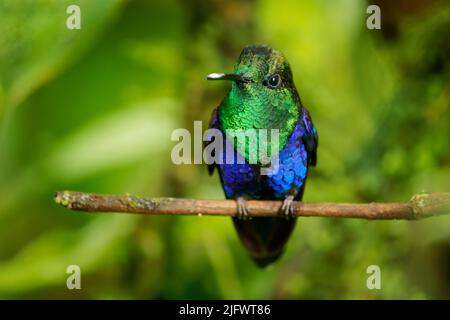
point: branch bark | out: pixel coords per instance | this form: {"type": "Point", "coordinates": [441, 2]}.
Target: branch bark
{"type": "Point", "coordinates": [420, 206]}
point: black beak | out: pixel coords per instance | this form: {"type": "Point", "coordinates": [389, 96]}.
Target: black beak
{"type": "Point", "coordinates": [228, 76]}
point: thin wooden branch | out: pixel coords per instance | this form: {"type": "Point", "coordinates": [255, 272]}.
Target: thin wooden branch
{"type": "Point", "coordinates": [420, 206]}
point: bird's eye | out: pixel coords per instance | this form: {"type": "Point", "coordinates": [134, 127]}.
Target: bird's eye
{"type": "Point", "coordinates": [273, 81]}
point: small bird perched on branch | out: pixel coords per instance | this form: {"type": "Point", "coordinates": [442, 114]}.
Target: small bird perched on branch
{"type": "Point", "coordinates": [263, 96]}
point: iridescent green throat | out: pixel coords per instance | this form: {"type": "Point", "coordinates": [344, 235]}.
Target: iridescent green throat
{"type": "Point", "coordinates": [254, 106]}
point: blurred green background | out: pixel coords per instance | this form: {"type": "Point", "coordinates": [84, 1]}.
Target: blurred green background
{"type": "Point", "coordinates": [93, 109]}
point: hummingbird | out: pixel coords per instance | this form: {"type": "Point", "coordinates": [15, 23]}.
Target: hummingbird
{"type": "Point", "coordinates": [263, 96]}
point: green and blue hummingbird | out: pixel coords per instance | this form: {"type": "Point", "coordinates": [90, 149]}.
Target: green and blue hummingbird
{"type": "Point", "coordinates": [263, 96]}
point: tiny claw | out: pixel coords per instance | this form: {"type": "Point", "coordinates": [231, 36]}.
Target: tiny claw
{"type": "Point", "coordinates": [242, 209]}
{"type": "Point", "coordinates": [287, 208]}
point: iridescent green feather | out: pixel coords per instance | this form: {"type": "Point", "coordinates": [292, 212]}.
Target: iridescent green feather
{"type": "Point", "coordinates": [256, 106]}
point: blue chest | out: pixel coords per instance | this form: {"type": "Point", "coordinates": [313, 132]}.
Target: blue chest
{"type": "Point", "coordinates": [244, 179]}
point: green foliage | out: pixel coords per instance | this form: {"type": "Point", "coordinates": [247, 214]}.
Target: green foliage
{"type": "Point", "coordinates": [93, 110]}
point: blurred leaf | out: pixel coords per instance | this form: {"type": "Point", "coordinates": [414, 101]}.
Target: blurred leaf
{"type": "Point", "coordinates": [44, 261]}
{"type": "Point", "coordinates": [35, 45]}
{"type": "Point", "coordinates": [124, 137]}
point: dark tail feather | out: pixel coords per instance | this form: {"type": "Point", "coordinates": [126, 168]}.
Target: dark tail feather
{"type": "Point", "coordinates": [264, 238]}
{"type": "Point", "coordinates": [263, 262]}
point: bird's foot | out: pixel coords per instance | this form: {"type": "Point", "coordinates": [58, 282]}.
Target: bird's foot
{"type": "Point", "coordinates": [242, 209]}
{"type": "Point", "coordinates": [287, 209]}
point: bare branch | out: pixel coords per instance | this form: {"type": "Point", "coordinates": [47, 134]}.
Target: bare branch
{"type": "Point", "coordinates": [420, 206]}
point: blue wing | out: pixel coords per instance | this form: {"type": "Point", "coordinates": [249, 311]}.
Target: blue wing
{"type": "Point", "coordinates": [310, 138]}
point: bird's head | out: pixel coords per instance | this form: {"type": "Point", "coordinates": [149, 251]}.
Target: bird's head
{"type": "Point", "coordinates": [260, 73]}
